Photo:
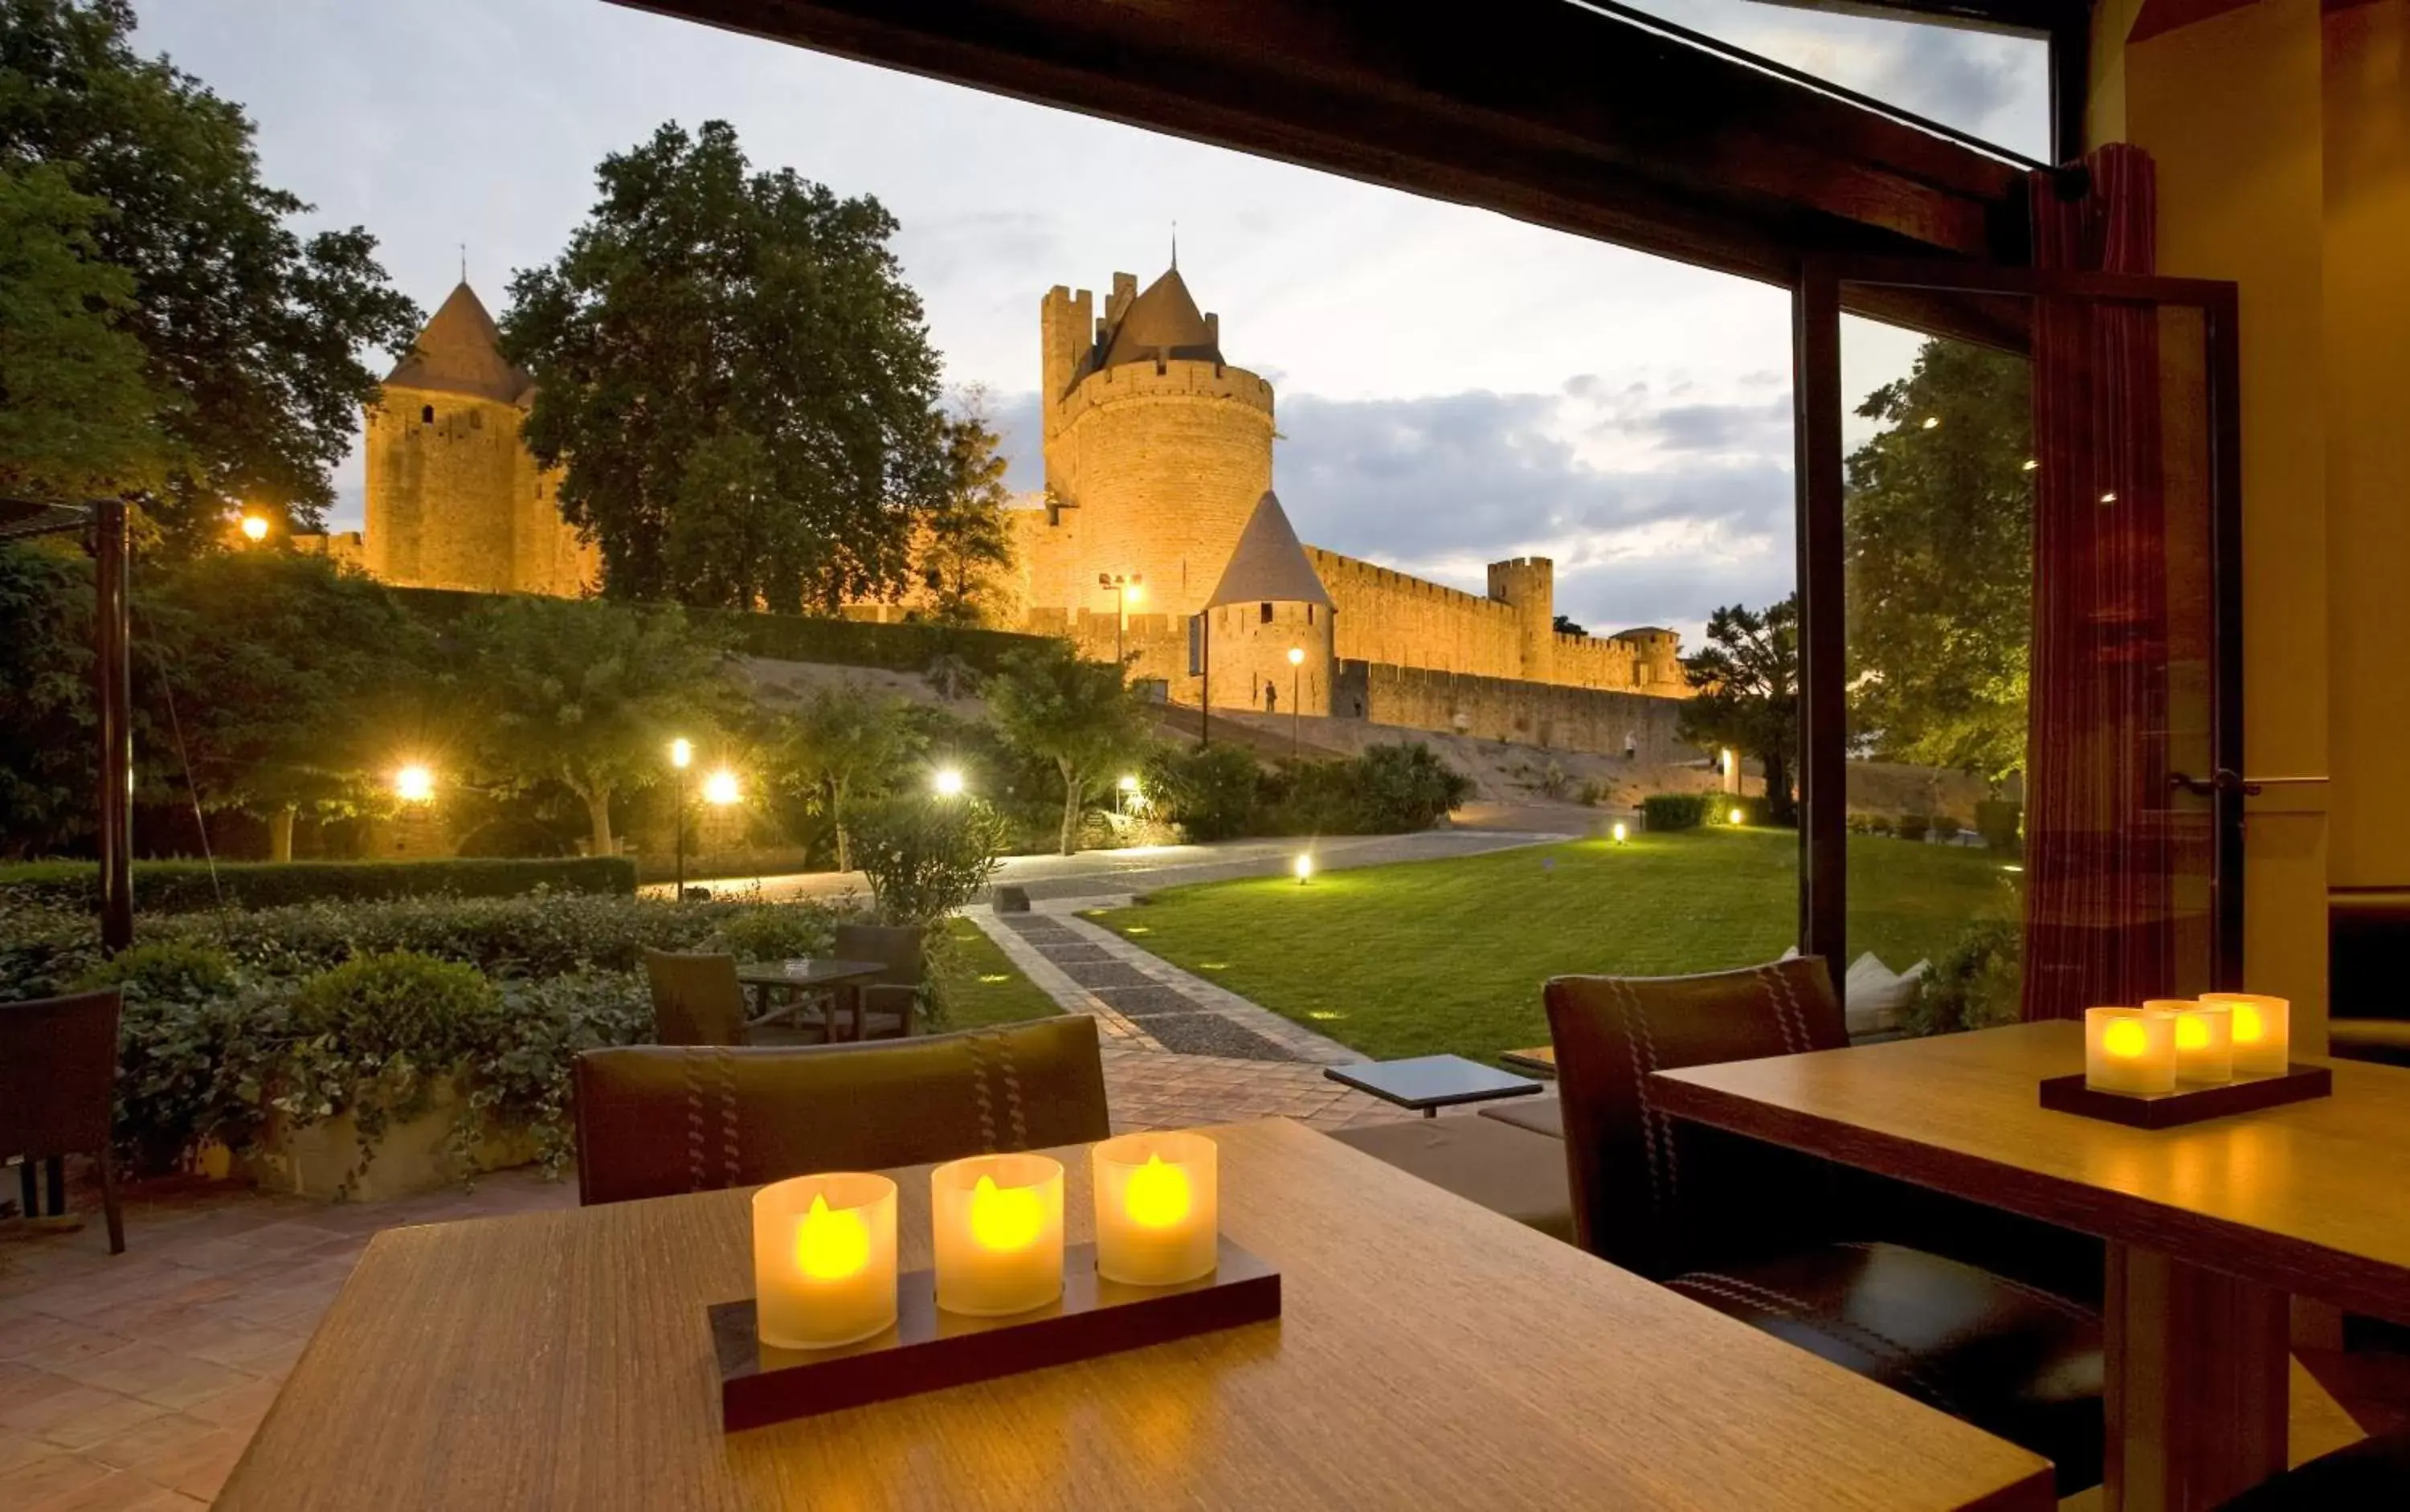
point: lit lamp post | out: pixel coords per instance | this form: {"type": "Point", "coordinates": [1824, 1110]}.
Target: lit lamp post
{"type": "Point", "coordinates": [255, 528]}
{"type": "Point", "coordinates": [415, 784]}
{"type": "Point", "coordinates": [1296, 708]}
{"type": "Point", "coordinates": [1125, 790]}
{"type": "Point", "coordinates": [681, 757]}
{"type": "Point", "coordinates": [948, 782]}
{"type": "Point", "coordinates": [1128, 589]}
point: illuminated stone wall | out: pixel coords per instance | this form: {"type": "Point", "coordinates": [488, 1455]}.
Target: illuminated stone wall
{"type": "Point", "coordinates": [1505, 708]}
{"type": "Point", "coordinates": [454, 501]}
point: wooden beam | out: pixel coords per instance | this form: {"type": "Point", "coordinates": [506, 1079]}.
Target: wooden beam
{"type": "Point", "coordinates": [1564, 117]}
{"type": "Point", "coordinates": [2012, 18]}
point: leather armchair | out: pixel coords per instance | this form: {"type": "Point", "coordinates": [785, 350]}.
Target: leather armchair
{"type": "Point", "coordinates": [2368, 1017]}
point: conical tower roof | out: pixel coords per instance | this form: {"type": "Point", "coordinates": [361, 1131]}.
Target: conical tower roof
{"type": "Point", "coordinates": [1163, 321]}
{"type": "Point", "coordinates": [1268, 566]}
{"type": "Point", "coordinates": [461, 352]}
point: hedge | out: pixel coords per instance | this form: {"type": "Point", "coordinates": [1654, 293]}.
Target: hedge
{"type": "Point", "coordinates": [182, 886]}
{"type": "Point", "coordinates": [850, 643]}
{"type": "Point", "coordinates": [1674, 811]}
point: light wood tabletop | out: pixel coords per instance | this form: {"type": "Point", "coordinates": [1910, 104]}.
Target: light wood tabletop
{"type": "Point", "coordinates": [1430, 1354]}
{"type": "Point", "coordinates": [2211, 1225]}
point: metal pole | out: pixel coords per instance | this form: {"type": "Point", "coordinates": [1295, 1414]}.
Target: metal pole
{"type": "Point", "coordinates": [113, 693]}
{"type": "Point", "coordinates": [1295, 710]}
{"type": "Point", "coordinates": [1205, 685]}
{"type": "Point", "coordinates": [677, 822]}
{"type": "Point", "coordinates": [1121, 618]}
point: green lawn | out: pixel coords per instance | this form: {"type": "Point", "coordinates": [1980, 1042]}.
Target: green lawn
{"type": "Point", "coordinates": [981, 983]}
{"type": "Point", "coordinates": [1449, 956]}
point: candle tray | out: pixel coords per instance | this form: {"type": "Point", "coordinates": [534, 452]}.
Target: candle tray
{"type": "Point", "coordinates": [929, 1349]}
{"type": "Point", "coordinates": [2187, 1104]}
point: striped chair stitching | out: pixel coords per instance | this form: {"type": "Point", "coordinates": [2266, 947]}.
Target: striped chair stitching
{"type": "Point", "coordinates": [1663, 1183]}
{"type": "Point", "coordinates": [1788, 1015]}
{"type": "Point", "coordinates": [975, 1047]}
{"type": "Point", "coordinates": [1799, 1310]}
{"type": "Point", "coordinates": [728, 1125]}
{"type": "Point", "coordinates": [1012, 1102]}
{"type": "Point", "coordinates": [687, 1065]}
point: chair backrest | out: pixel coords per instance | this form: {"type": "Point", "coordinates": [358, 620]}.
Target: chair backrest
{"type": "Point", "coordinates": [1651, 1193]}
{"type": "Point", "coordinates": [58, 1073]}
{"type": "Point", "coordinates": [697, 999]}
{"type": "Point", "coordinates": [900, 950]}
{"type": "Point", "coordinates": [653, 1121]}
{"type": "Point", "coordinates": [2367, 930]}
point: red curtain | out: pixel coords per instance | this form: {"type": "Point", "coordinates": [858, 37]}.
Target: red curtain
{"type": "Point", "coordinates": [2100, 857]}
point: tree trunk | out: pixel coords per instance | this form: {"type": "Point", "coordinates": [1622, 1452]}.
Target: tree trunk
{"type": "Point", "coordinates": [1070, 812]}
{"type": "Point", "coordinates": [598, 809]}
{"type": "Point", "coordinates": [844, 836]}
{"type": "Point", "coordinates": [280, 834]}
{"type": "Point", "coordinates": [1780, 807]}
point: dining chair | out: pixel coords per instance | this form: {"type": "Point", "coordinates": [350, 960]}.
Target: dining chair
{"type": "Point", "coordinates": [1775, 1239]}
{"type": "Point", "coordinates": [2372, 1473]}
{"type": "Point", "coordinates": [655, 1120]}
{"type": "Point", "coordinates": [895, 995]}
{"type": "Point", "coordinates": [697, 999]}
{"type": "Point", "coordinates": [58, 1086]}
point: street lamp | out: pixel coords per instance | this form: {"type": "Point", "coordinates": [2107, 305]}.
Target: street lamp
{"type": "Point", "coordinates": [415, 784]}
{"type": "Point", "coordinates": [1126, 788]}
{"type": "Point", "coordinates": [1128, 589]}
{"type": "Point", "coordinates": [681, 757]}
{"type": "Point", "coordinates": [255, 527]}
{"type": "Point", "coordinates": [719, 788]}
{"type": "Point", "coordinates": [948, 782]}
{"type": "Point", "coordinates": [1296, 709]}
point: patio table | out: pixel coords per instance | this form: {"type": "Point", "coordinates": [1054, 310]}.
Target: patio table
{"type": "Point", "coordinates": [562, 1359]}
{"type": "Point", "coordinates": [1427, 1084]}
{"type": "Point", "coordinates": [2210, 1225]}
{"type": "Point", "coordinates": [762, 980]}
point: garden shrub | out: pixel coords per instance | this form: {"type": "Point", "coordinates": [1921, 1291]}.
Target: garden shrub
{"type": "Point", "coordinates": [162, 968]}
{"type": "Point", "coordinates": [1674, 811]}
{"type": "Point", "coordinates": [1945, 828]}
{"type": "Point", "coordinates": [185, 886]}
{"type": "Point", "coordinates": [521, 1077]}
{"type": "Point", "coordinates": [46, 946]}
{"type": "Point", "coordinates": [1915, 826]}
{"type": "Point", "coordinates": [1590, 794]}
{"type": "Point", "coordinates": [776, 932]}
{"type": "Point", "coordinates": [1405, 786]}
{"type": "Point", "coordinates": [1976, 984]}
{"type": "Point", "coordinates": [1209, 790]}
{"type": "Point", "coordinates": [1999, 821]}
{"type": "Point", "coordinates": [924, 856]}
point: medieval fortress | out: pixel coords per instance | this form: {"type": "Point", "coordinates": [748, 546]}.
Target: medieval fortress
{"type": "Point", "coordinates": [1158, 533]}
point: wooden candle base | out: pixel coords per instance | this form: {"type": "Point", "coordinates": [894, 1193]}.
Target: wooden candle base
{"type": "Point", "coordinates": [929, 1348]}
{"type": "Point", "coordinates": [2186, 1104]}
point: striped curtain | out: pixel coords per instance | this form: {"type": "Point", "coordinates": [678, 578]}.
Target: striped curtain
{"type": "Point", "coordinates": [2100, 847]}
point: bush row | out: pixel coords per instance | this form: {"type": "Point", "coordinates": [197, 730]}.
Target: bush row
{"type": "Point", "coordinates": [184, 886]}
{"type": "Point", "coordinates": [1219, 791]}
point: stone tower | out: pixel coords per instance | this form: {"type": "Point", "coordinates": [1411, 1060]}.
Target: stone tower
{"type": "Point", "coordinates": [454, 499]}
{"type": "Point", "coordinates": [1156, 450]}
{"type": "Point", "coordinates": [1269, 603]}
{"type": "Point", "coordinates": [1529, 585]}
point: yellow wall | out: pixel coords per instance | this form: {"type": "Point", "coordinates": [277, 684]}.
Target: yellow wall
{"type": "Point", "coordinates": [2282, 135]}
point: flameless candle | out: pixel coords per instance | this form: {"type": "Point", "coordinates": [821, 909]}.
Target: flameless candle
{"type": "Point", "coordinates": [1157, 1209]}
{"type": "Point", "coordinates": [2264, 1035]}
{"type": "Point", "coordinates": [2204, 1039]}
{"type": "Point", "coordinates": [2131, 1050]}
{"type": "Point", "coordinates": [997, 1220]}
{"type": "Point", "coordinates": [824, 1260]}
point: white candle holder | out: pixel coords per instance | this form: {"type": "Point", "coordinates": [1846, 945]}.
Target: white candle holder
{"type": "Point", "coordinates": [2204, 1041]}
{"type": "Point", "coordinates": [2262, 1030]}
{"type": "Point", "coordinates": [2129, 1049]}
{"type": "Point", "coordinates": [997, 1224]}
{"type": "Point", "coordinates": [1158, 1208]}
{"type": "Point", "coordinates": [824, 1260]}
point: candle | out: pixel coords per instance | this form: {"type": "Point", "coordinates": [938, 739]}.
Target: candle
{"type": "Point", "coordinates": [2131, 1050]}
{"type": "Point", "coordinates": [1157, 1209]}
{"type": "Point", "coordinates": [997, 1220]}
{"type": "Point", "coordinates": [2204, 1039]}
{"type": "Point", "coordinates": [824, 1260]}
{"type": "Point", "coordinates": [2263, 1036]}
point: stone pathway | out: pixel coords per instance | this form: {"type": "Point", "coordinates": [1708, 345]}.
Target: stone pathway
{"type": "Point", "coordinates": [1139, 999]}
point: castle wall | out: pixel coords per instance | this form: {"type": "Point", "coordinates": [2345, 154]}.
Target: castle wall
{"type": "Point", "coordinates": [1250, 658]}
{"type": "Point", "coordinates": [1157, 467]}
{"type": "Point", "coordinates": [1505, 708]}
{"type": "Point", "coordinates": [1390, 618]}
{"type": "Point", "coordinates": [454, 501]}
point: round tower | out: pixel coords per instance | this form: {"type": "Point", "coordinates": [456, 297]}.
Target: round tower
{"type": "Point", "coordinates": [1271, 627]}
{"type": "Point", "coordinates": [1530, 585]}
{"type": "Point", "coordinates": [1156, 450]}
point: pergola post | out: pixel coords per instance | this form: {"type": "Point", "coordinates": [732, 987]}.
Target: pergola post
{"type": "Point", "coordinates": [113, 696]}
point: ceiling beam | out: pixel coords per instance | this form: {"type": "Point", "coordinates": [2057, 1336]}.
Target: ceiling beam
{"type": "Point", "coordinates": [1543, 110]}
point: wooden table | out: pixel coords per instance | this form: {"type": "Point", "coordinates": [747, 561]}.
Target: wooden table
{"type": "Point", "coordinates": [2210, 1225]}
{"type": "Point", "coordinates": [1427, 1084]}
{"type": "Point", "coordinates": [1430, 1354]}
{"type": "Point", "coordinates": [819, 973]}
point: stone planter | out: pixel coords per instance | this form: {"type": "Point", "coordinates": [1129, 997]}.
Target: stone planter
{"type": "Point", "coordinates": [413, 1156]}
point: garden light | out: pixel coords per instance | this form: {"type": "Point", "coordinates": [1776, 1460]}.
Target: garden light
{"type": "Point", "coordinates": [1621, 832]}
{"type": "Point", "coordinates": [1737, 816]}
{"type": "Point", "coordinates": [1134, 592]}
{"type": "Point", "coordinates": [1297, 656]}
{"type": "Point", "coordinates": [720, 787]}
{"type": "Point", "coordinates": [1931, 421]}
{"type": "Point", "coordinates": [413, 784]}
{"type": "Point", "coordinates": [255, 527]}
{"type": "Point", "coordinates": [948, 782]}
{"type": "Point", "coordinates": [1129, 784]}
{"type": "Point", "coordinates": [681, 753]}
{"type": "Point", "coordinates": [1305, 869]}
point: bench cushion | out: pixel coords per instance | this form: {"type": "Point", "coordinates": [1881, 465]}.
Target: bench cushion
{"type": "Point", "coordinates": [1507, 1170]}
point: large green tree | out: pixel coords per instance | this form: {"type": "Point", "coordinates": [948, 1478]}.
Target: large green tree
{"type": "Point", "coordinates": [254, 332]}
{"type": "Point", "coordinates": [591, 694]}
{"type": "Point", "coordinates": [1746, 698]}
{"type": "Point", "coordinates": [968, 540]}
{"type": "Point", "coordinates": [737, 380]}
{"type": "Point", "coordinates": [1052, 704]}
{"type": "Point", "coordinates": [846, 745]}
{"type": "Point", "coordinates": [1939, 516]}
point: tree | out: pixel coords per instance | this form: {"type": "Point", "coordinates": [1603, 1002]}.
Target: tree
{"type": "Point", "coordinates": [590, 695]}
{"type": "Point", "coordinates": [254, 332]}
{"type": "Point", "coordinates": [1940, 520]}
{"type": "Point", "coordinates": [737, 381]}
{"type": "Point", "coordinates": [48, 761]}
{"type": "Point", "coordinates": [1567, 625]}
{"type": "Point", "coordinates": [1748, 700]}
{"type": "Point", "coordinates": [968, 539]}
{"type": "Point", "coordinates": [1083, 716]}
{"type": "Point", "coordinates": [846, 744]}
{"type": "Point", "coordinates": [79, 418]}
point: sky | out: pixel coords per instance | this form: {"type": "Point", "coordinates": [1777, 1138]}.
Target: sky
{"type": "Point", "coordinates": [1453, 386]}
